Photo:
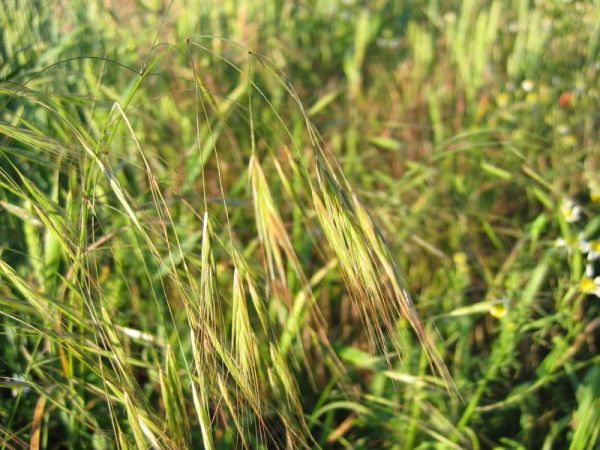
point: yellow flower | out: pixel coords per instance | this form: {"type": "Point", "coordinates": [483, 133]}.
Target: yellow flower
{"type": "Point", "coordinates": [568, 245]}
{"type": "Point", "coordinates": [590, 248]}
{"type": "Point", "coordinates": [545, 93]}
{"type": "Point", "coordinates": [460, 258]}
{"type": "Point", "coordinates": [502, 99]}
{"type": "Point", "coordinates": [499, 308]}
{"type": "Point", "coordinates": [532, 97]}
{"type": "Point", "coordinates": [569, 140]}
{"type": "Point", "coordinates": [590, 286]}
{"type": "Point", "coordinates": [570, 210]}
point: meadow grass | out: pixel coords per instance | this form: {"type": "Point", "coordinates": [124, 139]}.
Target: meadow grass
{"type": "Point", "coordinates": [280, 224]}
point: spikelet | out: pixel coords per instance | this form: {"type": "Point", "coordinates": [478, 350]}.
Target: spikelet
{"type": "Point", "coordinates": [368, 269]}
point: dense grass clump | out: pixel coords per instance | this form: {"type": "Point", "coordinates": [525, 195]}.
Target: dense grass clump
{"type": "Point", "coordinates": [277, 224]}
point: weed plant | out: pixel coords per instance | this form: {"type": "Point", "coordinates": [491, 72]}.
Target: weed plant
{"type": "Point", "coordinates": [281, 224]}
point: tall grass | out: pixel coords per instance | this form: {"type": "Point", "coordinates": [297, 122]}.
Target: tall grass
{"type": "Point", "coordinates": [280, 225]}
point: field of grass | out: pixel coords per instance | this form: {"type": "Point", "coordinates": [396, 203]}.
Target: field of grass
{"type": "Point", "coordinates": [295, 224]}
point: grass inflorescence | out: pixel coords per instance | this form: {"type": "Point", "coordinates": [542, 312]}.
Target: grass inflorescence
{"type": "Point", "coordinates": [274, 224]}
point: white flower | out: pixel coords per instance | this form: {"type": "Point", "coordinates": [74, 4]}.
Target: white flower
{"type": "Point", "coordinates": [589, 270]}
{"type": "Point", "coordinates": [590, 286]}
{"type": "Point", "coordinates": [527, 85]}
{"type": "Point", "coordinates": [570, 244]}
{"type": "Point", "coordinates": [590, 248]}
{"type": "Point", "coordinates": [19, 384]}
{"type": "Point", "coordinates": [388, 43]}
{"type": "Point", "coordinates": [561, 243]}
{"type": "Point", "coordinates": [570, 210]}
{"type": "Point", "coordinates": [564, 246]}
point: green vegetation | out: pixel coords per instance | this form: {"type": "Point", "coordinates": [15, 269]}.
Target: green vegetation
{"type": "Point", "coordinates": [214, 215]}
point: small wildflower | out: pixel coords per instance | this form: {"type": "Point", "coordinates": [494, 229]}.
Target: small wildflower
{"type": "Point", "coordinates": [594, 252]}
{"type": "Point", "coordinates": [590, 248]}
{"type": "Point", "coordinates": [569, 140]}
{"type": "Point", "coordinates": [589, 270]}
{"type": "Point", "coordinates": [545, 92]}
{"type": "Point", "coordinates": [563, 129]}
{"type": "Point", "coordinates": [461, 262]}
{"type": "Point", "coordinates": [502, 99]}
{"type": "Point", "coordinates": [565, 245]}
{"type": "Point", "coordinates": [460, 258]}
{"type": "Point", "coordinates": [532, 98]}
{"type": "Point", "coordinates": [19, 385]}
{"type": "Point", "coordinates": [388, 42]}
{"type": "Point", "coordinates": [499, 308]}
{"type": "Point", "coordinates": [579, 86]}
{"type": "Point", "coordinates": [590, 286]}
{"type": "Point", "coordinates": [565, 99]}
{"type": "Point", "coordinates": [560, 243]}
{"type": "Point", "coordinates": [570, 210]}
{"type": "Point", "coordinates": [527, 85]}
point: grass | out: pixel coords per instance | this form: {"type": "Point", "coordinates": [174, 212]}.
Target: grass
{"type": "Point", "coordinates": [299, 225]}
